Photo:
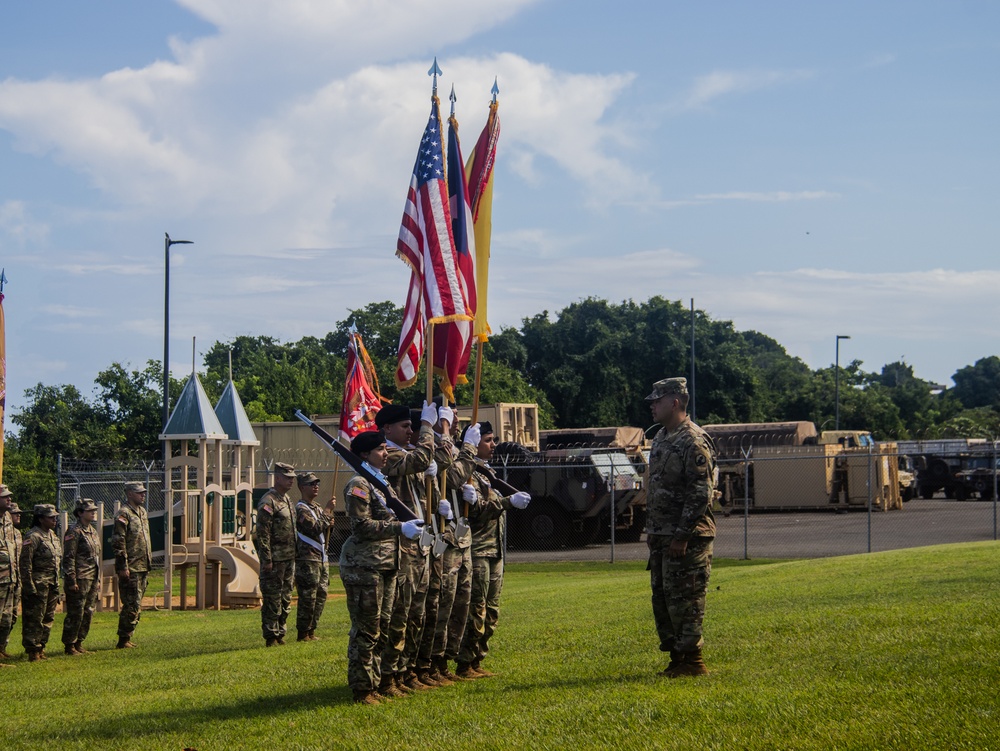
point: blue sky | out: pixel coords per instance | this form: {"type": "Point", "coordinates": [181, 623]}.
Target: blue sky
{"type": "Point", "coordinates": [802, 169]}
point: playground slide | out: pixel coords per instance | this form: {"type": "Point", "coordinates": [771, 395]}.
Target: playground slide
{"type": "Point", "coordinates": [243, 567]}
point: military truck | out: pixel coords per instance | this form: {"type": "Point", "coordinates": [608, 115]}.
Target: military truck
{"type": "Point", "coordinates": [791, 465]}
{"type": "Point", "coordinates": [575, 478]}
{"type": "Point", "coordinates": [977, 477]}
{"type": "Point", "coordinates": [937, 463]}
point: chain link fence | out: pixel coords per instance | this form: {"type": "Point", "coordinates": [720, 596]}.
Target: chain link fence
{"type": "Point", "coordinates": [589, 504]}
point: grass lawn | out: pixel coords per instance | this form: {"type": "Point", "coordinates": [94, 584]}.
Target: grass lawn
{"type": "Point", "coordinates": [896, 650]}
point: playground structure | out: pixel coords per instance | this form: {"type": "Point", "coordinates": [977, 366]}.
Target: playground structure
{"type": "Point", "coordinates": [209, 475]}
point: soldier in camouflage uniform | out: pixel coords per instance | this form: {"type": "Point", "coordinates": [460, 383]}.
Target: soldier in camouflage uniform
{"type": "Point", "coordinates": [368, 562]}
{"type": "Point", "coordinates": [456, 564]}
{"type": "Point", "coordinates": [10, 576]}
{"type": "Point", "coordinates": [313, 525]}
{"type": "Point", "coordinates": [424, 658]}
{"type": "Point", "coordinates": [39, 563]}
{"type": "Point", "coordinates": [680, 527]}
{"type": "Point", "coordinates": [82, 575]}
{"type": "Point", "coordinates": [133, 559]}
{"type": "Point", "coordinates": [274, 537]}
{"type": "Point", "coordinates": [488, 519]}
{"type": "Point", "coordinates": [405, 465]}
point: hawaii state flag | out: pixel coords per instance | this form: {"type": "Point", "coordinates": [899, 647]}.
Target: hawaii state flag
{"type": "Point", "coordinates": [360, 402]}
{"type": "Point", "coordinates": [453, 340]}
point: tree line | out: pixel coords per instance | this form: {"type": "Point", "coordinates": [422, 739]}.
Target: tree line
{"type": "Point", "coordinates": [590, 364]}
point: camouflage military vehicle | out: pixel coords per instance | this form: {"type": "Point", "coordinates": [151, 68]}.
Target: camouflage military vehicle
{"type": "Point", "coordinates": [575, 479]}
{"type": "Point", "coordinates": [978, 476]}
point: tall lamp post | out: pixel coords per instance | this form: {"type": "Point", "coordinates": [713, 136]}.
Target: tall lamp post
{"type": "Point", "coordinates": [167, 242]}
{"type": "Point", "coordinates": [836, 381]}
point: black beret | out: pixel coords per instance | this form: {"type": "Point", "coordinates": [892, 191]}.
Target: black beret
{"type": "Point", "coordinates": [415, 418]}
{"type": "Point", "coordinates": [365, 442]}
{"type": "Point", "coordinates": [392, 413]}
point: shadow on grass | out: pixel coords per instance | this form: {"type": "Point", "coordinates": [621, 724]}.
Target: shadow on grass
{"type": "Point", "coordinates": [190, 719]}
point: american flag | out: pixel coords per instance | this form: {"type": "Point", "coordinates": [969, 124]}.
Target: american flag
{"type": "Point", "coordinates": [453, 341]}
{"type": "Point", "coordinates": [426, 244]}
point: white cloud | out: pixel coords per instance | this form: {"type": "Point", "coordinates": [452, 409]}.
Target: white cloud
{"type": "Point", "coordinates": [716, 84]}
{"type": "Point", "coordinates": [17, 223]}
{"type": "Point", "coordinates": [776, 196]}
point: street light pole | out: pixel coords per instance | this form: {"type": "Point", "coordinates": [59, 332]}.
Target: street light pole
{"type": "Point", "coordinates": [836, 381]}
{"type": "Point", "coordinates": [167, 242]}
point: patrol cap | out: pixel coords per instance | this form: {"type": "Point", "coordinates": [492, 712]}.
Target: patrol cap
{"type": "Point", "coordinates": [285, 470]}
{"type": "Point", "coordinates": [45, 509]}
{"type": "Point", "coordinates": [135, 487]}
{"type": "Point", "coordinates": [390, 414]}
{"type": "Point", "coordinates": [308, 478]}
{"type": "Point", "coordinates": [85, 504]}
{"type": "Point", "coordinates": [4, 491]}
{"type": "Point", "coordinates": [668, 386]}
{"type": "Point", "coordinates": [14, 509]}
{"type": "Point", "coordinates": [367, 441]}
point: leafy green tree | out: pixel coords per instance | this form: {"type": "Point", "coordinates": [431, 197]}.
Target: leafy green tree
{"type": "Point", "coordinates": [59, 420]}
{"type": "Point", "coordinates": [131, 402]}
{"type": "Point", "coordinates": [978, 385]}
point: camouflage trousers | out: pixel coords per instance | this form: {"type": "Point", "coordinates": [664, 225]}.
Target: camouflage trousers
{"type": "Point", "coordinates": [370, 596]}
{"type": "Point", "coordinates": [424, 645]}
{"type": "Point", "coordinates": [131, 591]}
{"type": "Point", "coordinates": [453, 607]}
{"type": "Point", "coordinates": [484, 608]}
{"type": "Point", "coordinates": [402, 638]}
{"type": "Point", "coordinates": [276, 593]}
{"type": "Point", "coordinates": [80, 606]}
{"type": "Point", "coordinates": [312, 581]}
{"type": "Point", "coordinates": [679, 587]}
{"type": "Point", "coordinates": [38, 611]}
{"type": "Point", "coordinates": [10, 596]}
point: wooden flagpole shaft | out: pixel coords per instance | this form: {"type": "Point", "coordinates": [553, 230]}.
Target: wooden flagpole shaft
{"type": "Point", "coordinates": [428, 482]}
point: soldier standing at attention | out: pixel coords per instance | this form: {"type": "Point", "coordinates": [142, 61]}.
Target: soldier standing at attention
{"type": "Point", "coordinates": [368, 562]}
{"type": "Point", "coordinates": [274, 538]}
{"type": "Point", "coordinates": [82, 574]}
{"type": "Point", "coordinates": [133, 559]}
{"type": "Point", "coordinates": [39, 562]}
{"type": "Point", "coordinates": [488, 519]}
{"type": "Point", "coordinates": [680, 527]}
{"type": "Point", "coordinates": [312, 569]}
{"type": "Point", "coordinates": [404, 466]}
{"type": "Point", "coordinates": [10, 576]}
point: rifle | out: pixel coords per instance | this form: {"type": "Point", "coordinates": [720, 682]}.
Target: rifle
{"type": "Point", "coordinates": [495, 482]}
{"type": "Point", "coordinates": [397, 506]}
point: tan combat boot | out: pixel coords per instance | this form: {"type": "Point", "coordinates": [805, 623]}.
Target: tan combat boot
{"type": "Point", "coordinates": [481, 670]}
{"type": "Point", "coordinates": [691, 664]}
{"type": "Point", "coordinates": [80, 650]}
{"type": "Point", "coordinates": [366, 697]}
{"type": "Point", "coordinates": [675, 661]}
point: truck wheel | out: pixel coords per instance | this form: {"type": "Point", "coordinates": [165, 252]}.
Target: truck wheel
{"type": "Point", "coordinates": [927, 492]}
{"type": "Point", "coordinates": [546, 526]}
{"type": "Point", "coordinates": [961, 494]}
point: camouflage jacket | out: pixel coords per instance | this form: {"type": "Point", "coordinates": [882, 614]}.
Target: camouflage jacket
{"type": "Point", "coordinates": [274, 534]}
{"type": "Point", "coordinates": [130, 541]}
{"type": "Point", "coordinates": [40, 557]}
{"type": "Point", "coordinates": [373, 543]}
{"type": "Point", "coordinates": [81, 553]}
{"type": "Point", "coordinates": [313, 526]}
{"type": "Point", "coordinates": [488, 518]}
{"type": "Point", "coordinates": [682, 477]}
{"type": "Point", "coordinates": [405, 467]}
{"type": "Point", "coordinates": [458, 474]}
{"type": "Point", "coordinates": [10, 548]}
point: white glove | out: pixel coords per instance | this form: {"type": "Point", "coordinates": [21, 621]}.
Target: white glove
{"type": "Point", "coordinates": [446, 414]}
{"type": "Point", "coordinates": [429, 413]}
{"type": "Point", "coordinates": [411, 529]}
{"type": "Point", "coordinates": [469, 494]}
{"type": "Point", "coordinates": [432, 469]}
{"type": "Point", "coordinates": [520, 499]}
{"type": "Point", "coordinates": [444, 509]}
{"type": "Point", "coordinates": [473, 436]}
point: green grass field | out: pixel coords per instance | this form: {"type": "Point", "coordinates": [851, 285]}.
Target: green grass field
{"type": "Point", "coordinates": [894, 650]}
